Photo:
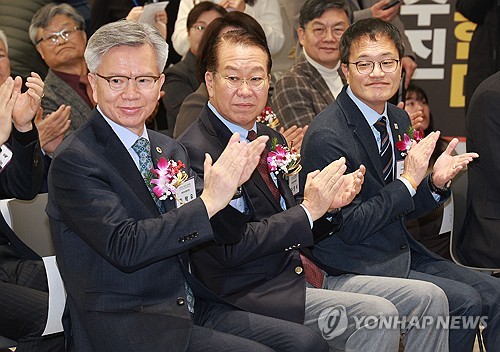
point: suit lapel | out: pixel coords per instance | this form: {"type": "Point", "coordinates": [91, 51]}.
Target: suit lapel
{"type": "Point", "coordinates": [362, 130]}
{"type": "Point", "coordinates": [120, 159]}
{"type": "Point", "coordinates": [316, 81]}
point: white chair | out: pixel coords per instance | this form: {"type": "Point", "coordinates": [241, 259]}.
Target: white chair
{"type": "Point", "coordinates": [30, 223]}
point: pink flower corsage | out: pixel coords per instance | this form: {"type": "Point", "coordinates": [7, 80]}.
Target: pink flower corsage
{"type": "Point", "coordinates": [283, 159]}
{"type": "Point", "coordinates": [408, 138]}
{"type": "Point", "coordinates": [170, 175]}
{"type": "Point", "coordinates": [268, 118]}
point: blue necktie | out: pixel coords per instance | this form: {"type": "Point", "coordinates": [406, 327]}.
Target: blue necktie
{"type": "Point", "coordinates": [385, 149]}
{"type": "Point", "coordinates": [143, 150]}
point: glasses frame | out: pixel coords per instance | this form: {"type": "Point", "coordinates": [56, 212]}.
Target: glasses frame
{"type": "Point", "coordinates": [57, 35]}
{"type": "Point", "coordinates": [232, 86]}
{"type": "Point", "coordinates": [109, 78]}
{"type": "Point", "coordinates": [325, 28]}
{"type": "Point", "coordinates": [373, 65]}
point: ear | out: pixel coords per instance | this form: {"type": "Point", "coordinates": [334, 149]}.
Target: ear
{"type": "Point", "coordinates": [209, 81]}
{"type": "Point", "coordinates": [93, 84]}
{"type": "Point", "coordinates": [161, 80]}
{"type": "Point", "coordinates": [301, 35]}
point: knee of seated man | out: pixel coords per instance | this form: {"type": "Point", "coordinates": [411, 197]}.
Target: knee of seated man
{"type": "Point", "coordinates": [464, 301]}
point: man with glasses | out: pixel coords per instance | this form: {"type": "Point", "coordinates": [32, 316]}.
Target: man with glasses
{"type": "Point", "coordinates": [122, 247]}
{"type": "Point", "coordinates": [315, 80]}
{"type": "Point", "coordinates": [270, 271]}
{"type": "Point", "coordinates": [367, 130]}
{"type": "Point", "coordinates": [58, 33]}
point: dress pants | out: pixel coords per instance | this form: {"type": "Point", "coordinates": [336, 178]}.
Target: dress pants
{"type": "Point", "coordinates": [410, 299]}
{"type": "Point", "coordinates": [24, 304]}
{"type": "Point", "coordinates": [470, 294]}
{"type": "Point", "coordinates": [221, 327]}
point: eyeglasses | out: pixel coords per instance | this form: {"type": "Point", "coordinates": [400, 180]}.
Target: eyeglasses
{"type": "Point", "coordinates": [120, 83]}
{"type": "Point", "coordinates": [321, 31]}
{"type": "Point", "coordinates": [235, 82]}
{"type": "Point", "coordinates": [52, 39]}
{"type": "Point", "coordinates": [367, 67]}
{"type": "Point", "coordinates": [199, 27]}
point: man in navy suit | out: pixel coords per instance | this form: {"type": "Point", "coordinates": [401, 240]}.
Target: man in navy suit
{"type": "Point", "coordinates": [267, 272]}
{"type": "Point", "coordinates": [122, 249]}
{"type": "Point", "coordinates": [23, 282]}
{"type": "Point", "coordinates": [364, 128]}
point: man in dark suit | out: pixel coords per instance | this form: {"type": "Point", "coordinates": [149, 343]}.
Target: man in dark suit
{"type": "Point", "coordinates": [121, 247]}
{"type": "Point", "coordinates": [23, 283]}
{"type": "Point", "coordinates": [480, 238]}
{"type": "Point", "coordinates": [266, 272]}
{"type": "Point", "coordinates": [374, 239]}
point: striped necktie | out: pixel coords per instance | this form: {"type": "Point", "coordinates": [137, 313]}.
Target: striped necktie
{"type": "Point", "coordinates": [385, 149]}
{"type": "Point", "coordinates": [143, 150]}
{"type": "Point", "coordinates": [263, 170]}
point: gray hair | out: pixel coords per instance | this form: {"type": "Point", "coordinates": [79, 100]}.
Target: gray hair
{"type": "Point", "coordinates": [3, 38]}
{"type": "Point", "coordinates": [124, 33]}
{"type": "Point", "coordinates": [44, 15]}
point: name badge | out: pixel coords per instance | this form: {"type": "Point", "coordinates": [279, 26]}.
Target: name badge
{"type": "Point", "coordinates": [185, 192]}
{"type": "Point", "coordinates": [293, 183]}
{"type": "Point", "coordinates": [400, 166]}
{"type": "Point", "coordinates": [5, 156]}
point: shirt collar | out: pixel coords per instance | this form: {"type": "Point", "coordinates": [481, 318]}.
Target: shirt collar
{"type": "Point", "coordinates": [126, 136]}
{"type": "Point", "coordinates": [232, 126]}
{"type": "Point", "coordinates": [370, 115]}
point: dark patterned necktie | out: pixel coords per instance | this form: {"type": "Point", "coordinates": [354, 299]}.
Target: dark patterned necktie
{"type": "Point", "coordinates": [385, 149]}
{"type": "Point", "coordinates": [143, 150]}
{"type": "Point", "coordinates": [314, 275]}
{"type": "Point", "coordinates": [263, 170]}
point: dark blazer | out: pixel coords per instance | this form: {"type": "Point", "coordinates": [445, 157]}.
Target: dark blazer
{"type": "Point", "coordinates": [373, 239]}
{"type": "Point", "coordinates": [180, 81]}
{"type": "Point", "coordinates": [58, 92]}
{"type": "Point", "coordinates": [300, 94]}
{"type": "Point", "coordinates": [123, 264]}
{"type": "Point", "coordinates": [21, 178]}
{"type": "Point", "coordinates": [263, 272]}
{"type": "Point", "coordinates": [480, 242]}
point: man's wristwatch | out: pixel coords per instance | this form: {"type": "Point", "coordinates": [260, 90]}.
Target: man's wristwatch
{"type": "Point", "coordinates": [439, 191]}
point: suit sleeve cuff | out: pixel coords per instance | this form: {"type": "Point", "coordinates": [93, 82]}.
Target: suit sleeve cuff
{"type": "Point", "coordinates": [408, 186]}
{"type": "Point", "coordinates": [309, 217]}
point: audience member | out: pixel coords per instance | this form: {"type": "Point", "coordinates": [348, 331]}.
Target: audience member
{"type": "Point", "coordinates": [23, 282]}
{"type": "Point", "coordinates": [181, 79]}
{"type": "Point", "coordinates": [426, 229]}
{"type": "Point", "coordinates": [266, 12]}
{"type": "Point", "coordinates": [121, 247]}
{"type": "Point", "coordinates": [480, 236]}
{"type": "Point", "coordinates": [256, 274]}
{"type": "Point", "coordinates": [193, 104]}
{"type": "Point", "coordinates": [314, 81]}
{"type": "Point", "coordinates": [58, 33]}
{"type": "Point", "coordinates": [375, 8]}
{"type": "Point", "coordinates": [484, 48]}
{"type": "Point", "coordinates": [15, 17]}
{"type": "Point", "coordinates": [373, 239]}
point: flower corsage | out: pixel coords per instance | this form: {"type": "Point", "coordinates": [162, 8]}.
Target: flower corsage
{"type": "Point", "coordinates": [170, 175]}
{"type": "Point", "coordinates": [409, 137]}
{"type": "Point", "coordinates": [283, 159]}
{"type": "Point", "coordinates": [268, 118]}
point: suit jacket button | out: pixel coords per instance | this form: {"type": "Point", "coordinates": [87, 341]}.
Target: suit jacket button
{"type": "Point", "coordinates": [180, 301]}
{"type": "Point", "coordinates": [298, 270]}
{"type": "Point", "coordinates": [403, 246]}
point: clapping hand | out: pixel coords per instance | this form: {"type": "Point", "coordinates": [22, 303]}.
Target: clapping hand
{"type": "Point", "coordinates": [294, 135]}
{"type": "Point", "coordinates": [52, 128]}
{"type": "Point", "coordinates": [448, 166]}
{"type": "Point", "coordinates": [28, 102]}
{"type": "Point", "coordinates": [8, 99]}
{"type": "Point", "coordinates": [350, 189]}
